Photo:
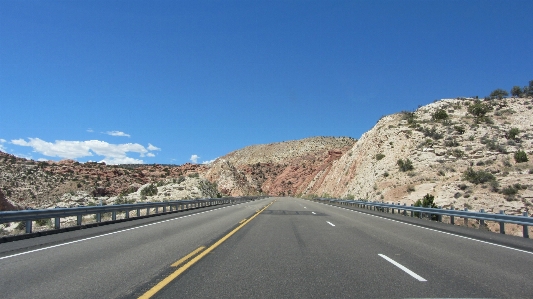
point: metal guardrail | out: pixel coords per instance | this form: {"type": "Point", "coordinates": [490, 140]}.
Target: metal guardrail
{"type": "Point", "coordinates": [28, 216]}
{"type": "Point", "coordinates": [420, 212]}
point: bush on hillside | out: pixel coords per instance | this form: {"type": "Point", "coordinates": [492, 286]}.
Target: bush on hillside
{"type": "Point", "coordinates": [440, 114]}
{"type": "Point", "coordinates": [513, 133]}
{"type": "Point", "coordinates": [149, 190]}
{"type": "Point", "coordinates": [406, 165]}
{"type": "Point", "coordinates": [479, 110]}
{"type": "Point", "coordinates": [478, 177]}
{"type": "Point", "coordinates": [426, 202]}
{"type": "Point", "coordinates": [498, 94]}
{"type": "Point", "coordinates": [520, 156]}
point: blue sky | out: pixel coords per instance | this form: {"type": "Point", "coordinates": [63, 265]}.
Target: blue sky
{"type": "Point", "coordinates": [166, 81]}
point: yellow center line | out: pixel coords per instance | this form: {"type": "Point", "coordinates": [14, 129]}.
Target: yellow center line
{"type": "Point", "coordinates": [193, 261]}
{"type": "Point", "coordinates": [240, 222]}
{"type": "Point", "coordinates": [188, 256]}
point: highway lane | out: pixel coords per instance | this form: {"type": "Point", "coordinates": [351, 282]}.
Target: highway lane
{"type": "Point", "coordinates": [114, 260]}
{"type": "Point", "coordinates": [303, 249]}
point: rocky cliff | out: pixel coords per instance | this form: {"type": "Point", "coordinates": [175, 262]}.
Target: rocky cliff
{"type": "Point", "coordinates": [462, 151]}
{"type": "Point", "coordinates": [285, 168]}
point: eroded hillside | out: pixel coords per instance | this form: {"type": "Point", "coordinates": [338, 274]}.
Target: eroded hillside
{"type": "Point", "coordinates": [284, 168]}
{"type": "Point", "coordinates": [462, 151]}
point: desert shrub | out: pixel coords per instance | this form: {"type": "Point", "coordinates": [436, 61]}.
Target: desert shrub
{"type": "Point", "coordinates": [430, 132]}
{"type": "Point", "coordinates": [460, 129]}
{"type": "Point", "coordinates": [21, 225]}
{"type": "Point", "coordinates": [409, 116]}
{"type": "Point", "coordinates": [149, 190]}
{"type": "Point", "coordinates": [440, 114]}
{"type": "Point", "coordinates": [43, 222]}
{"type": "Point", "coordinates": [498, 94]}
{"type": "Point", "coordinates": [380, 156]}
{"type": "Point", "coordinates": [410, 188]}
{"type": "Point", "coordinates": [457, 195]}
{"type": "Point", "coordinates": [512, 134]}
{"type": "Point", "coordinates": [406, 165]}
{"type": "Point", "coordinates": [520, 156]}
{"type": "Point", "coordinates": [426, 202]}
{"type": "Point", "coordinates": [511, 190]}
{"type": "Point", "coordinates": [129, 190]}
{"type": "Point", "coordinates": [194, 175]}
{"type": "Point", "coordinates": [477, 177]}
{"type": "Point", "coordinates": [386, 174]}
{"type": "Point", "coordinates": [451, 142]}
{"type": "Point", "coordinates": [457, 153]}
{"type": "Point", "coordinates": [493, 145]}
{"type": "Point", "coordinates": [516, 91]}
{"type": "Point", "coordinates": [494, 186]}
{"type": "Point", "coordinates": [478, 110]}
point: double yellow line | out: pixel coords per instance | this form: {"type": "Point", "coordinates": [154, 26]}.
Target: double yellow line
{"type": "Point", "coordinates": [198, 257]}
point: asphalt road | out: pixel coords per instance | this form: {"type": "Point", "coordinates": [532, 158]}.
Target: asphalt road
{"type": "Point", "coordinates": [292, 249]}
{"type": "Point", "coordinates": [114, 260]}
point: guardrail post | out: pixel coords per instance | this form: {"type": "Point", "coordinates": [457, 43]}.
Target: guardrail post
{"type": "Point", "coordinates": [98, 217]}
{"type": "Point", "coordinates": [57, 223]}
{"type": "Point", "coordinates": [114, 215]}
{"type": "Point", "coordinates": [79, 219]}
{"type": "Point", "coordinates": [466, 219]}
{"type": "Point", "coordinates": [164, 209]}
{"type": "Point", "coordinates": [404, 210]}
{"type": "Point", "coordinates": [157, 210]}
{"type": "Point", "coordinates": [452, 218]}
{"type": "Point", "coordinates": [502, 224]}
{"type": "Point", "coordinates": [28, 226]}
{"type": "Point", "coordinates": [147, 211]}
{"type": "Point", "coordinates": [412, 213]}
{"type": "Point", "coordinates": [481, 221]}
{"type": "Point", "coordinates": [525, 228]}
{"type": "Point", "coordinates": [138, 212]}
{"type": "Point", "coordinates": [127, 214]}
{"type": "Point", "coordinates": [439, 216]}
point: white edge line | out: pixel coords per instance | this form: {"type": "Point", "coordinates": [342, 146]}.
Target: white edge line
{"type": "Point", "coordinates": [438, 231]}
{"type": "Point", "coordinates": [330, 223]}
{"type": "Point", "coordinates": [413, 274]}
{"type": "Point", "coordinates": [103, 235]}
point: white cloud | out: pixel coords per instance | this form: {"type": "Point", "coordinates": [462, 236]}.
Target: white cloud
{"type": "Point", "coordinates": [2, 148]}
{"type": "Point", "coordinates": [112, 153]}
{"type": "Point", "coordinates": [194, 158]}
{"type": "Point", "coordinates": [117, 133]}
{"type": "Point", "coordinates": [90, 130]}
{"type": "Point", "coordinates": [153, 148]}
{"type": "Point", "coordinates": [210, 161]}
{"type": "Point", "coordinates": [122, 160]}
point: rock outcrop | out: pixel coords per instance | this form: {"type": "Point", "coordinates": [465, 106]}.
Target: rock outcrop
{"type": "Point", "coordinates": [285, 168]}
{"type": "Point", "coordinates": [441, 151]}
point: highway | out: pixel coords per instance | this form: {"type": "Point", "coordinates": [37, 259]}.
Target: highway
{"type": "Point", "coordinates": [270, 248]}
